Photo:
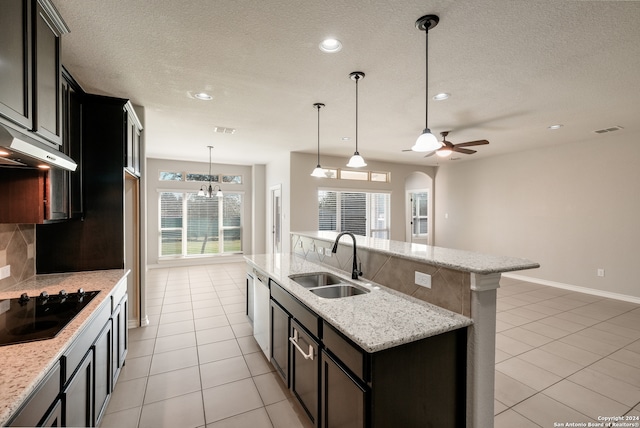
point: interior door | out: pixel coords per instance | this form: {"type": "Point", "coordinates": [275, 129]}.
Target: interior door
{"type": "Point", "coordinates": [418, 209]}
{"type": "Point", "coordinates": [276, 219]}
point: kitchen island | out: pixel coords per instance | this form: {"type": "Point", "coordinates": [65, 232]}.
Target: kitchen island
{"type": "Point", "coordinates": [460, 281]}
{"type": "Point", "coordinates": [26, 366]}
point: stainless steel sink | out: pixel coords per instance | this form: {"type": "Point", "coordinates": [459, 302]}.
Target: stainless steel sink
{"type": "Point", "coordinates": [313, 280]}
{"type": "Point", "coordinates": [337, 291]}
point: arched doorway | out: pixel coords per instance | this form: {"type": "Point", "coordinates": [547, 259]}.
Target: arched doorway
{"type": "Point", "coordinates": [419, 208]}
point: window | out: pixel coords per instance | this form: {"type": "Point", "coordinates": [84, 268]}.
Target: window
{"type": "Point", "coordinates": [419, 214]}
{"type": "Point", "coordinates": [192, 225]}
{"type": "Point", "coordinates": [361, 213]}
{"type": "Point", "coordinates": [170, 176]}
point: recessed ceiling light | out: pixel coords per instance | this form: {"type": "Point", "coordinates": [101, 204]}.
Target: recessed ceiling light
{"type": "Point", "coordinates": [43, 166]}
{"type": "Point", "coordinates": [346, 138]}
{"type": "Point", "coordinates": [203, 96]}
{"type": "Point", "coordinates": [330, 45]}
{"type": "Point", "coordinates": [557, 126]}
{"type": "Point", "coordinates": [441, 96]}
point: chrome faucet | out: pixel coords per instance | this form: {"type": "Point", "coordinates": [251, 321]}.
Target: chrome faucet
{"type": "Point", "coordinates": [355, 273]}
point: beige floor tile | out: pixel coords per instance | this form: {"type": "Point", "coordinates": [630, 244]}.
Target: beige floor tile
{"type": "Point", "coordinates": [174, 328]}
{"type": "Point", "coordinates": [230, 399]}
{"type": "Point", "coordinates": [257, 418]}
{"type": "Point", "coordinates": [527, 313]}
{"type": "Point", "coordinates": [154, 302]}
{"type": "Point", "coordinates": [510, 391]}
{"type": "Point", "coordinates": [234, 308]}
{"type": "Point", "coordinates": [248, 344]}
{"type": "Point", "coordinates": [207, 312]}
{"type": "Point", "coordinates": [576, 318]}
{"type": "Point", "coordinates": [176, 316]}
{"type": "Point", "coordinates": [176, 297]}
{"type": "Point", "coordinates": [503, 325]}
{"type": "Point", "coordinates": [286, 414]}
{"type": "Point", "coordinates": [185, 411]}
{"type": "Point", "coordinates": [502, 305]}
{"type": "Point", "coordinates": [511, 346]}
{"type": "Point", "coordinates": [571, 353]}
{"type": "Point", "coordinates": [551, 362]}
{"type": "Point", "coordinates": [527, 336]}
{"type": "Point", "coordinates": [563, 303]}
{"type": "Point", "coordinates": [135, 368]}
{"type": "Point", "coordinates": [127, 395]}
{"type": "Point", "coordinates": [211, 322]}
{"type": "Point", "coordinates": [584, 400]}
{"type": "Point", "coordinates": [545, 411]}
{"type": "Point", "coordinates": [206, 300]}
{"type": "Point", "coordinates": [613, 339]}
{"type": "Point", "coordinates": [546, 330]}
{"type": "Point", "coordinates": [172, 384]}
{"type": "Point", "coordinates": [562, 324]}
{"type": "Point", "coordinates": [143, 333]}
{"type": "Point", "coordinates": [176, 307]}
{"type": "Point", "coordinates": [258, 364]}
{"type": "Point", "coordinates": [242, 330]}
{"type": "Point", "coordinates": [586, 343]}
{"type": "Point", "coordinates": [511, 318]}
{"type": "Point", "coordinates": [174, 360]}
{"type": "Point", "coordinates": [611, 387]}
{"type": "Point", "coordinates": [212, 335]}
{"type": "Point", "coordinates": [618, 330]}
{"type": "Point", "coordinates": [511, 419]}
{"type": "Point", "coordinates": [237, 318]}
{"type": "Point", "coordinates": [223, 371]}
{"type": "Point", "coordinates": [171, 343]}
{"type": "Point", "coordinates": [543, 309]}
{"type": "Point", "coordinates": [501, 356]}
{"type": "Point", "coordinates": [140, 348]}
{"type": "Point", "coordinates": [154, 310]}
{"type": "Point", "coordinates": [527, 373]}
{"type": "Point", "coordinates": [499, 407]}
{"type": "Point", "coordinates": [271, 388]}
{"type": "Point", "coordinates": [627, 357]}
{"type": "Point", "coordinates": [618, 370]}
{"type": "Point", "coordinates": [123, 419]}
{"type": "Point", "coordinates": [218, 351]}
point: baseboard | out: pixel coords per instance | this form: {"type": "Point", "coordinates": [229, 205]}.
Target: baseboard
{"type": "Point", "coordinates": [594, 292]}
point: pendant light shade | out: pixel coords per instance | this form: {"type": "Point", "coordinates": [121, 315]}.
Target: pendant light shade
{"type": "Point", "coordinates": [426, 142]}
{"type": "Point", "coordinates": [356, 160]}
{"type": "Point", "coordinates": [208, 191]}
{"type": "Point", "coordinates": [318, 171]}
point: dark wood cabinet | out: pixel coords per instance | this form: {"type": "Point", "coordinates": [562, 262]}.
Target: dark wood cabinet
{"type": "Point", "coordinates": [78, 395]}
{"type": "Point", "coordinates": [23, 195]}
{"type": "Point", "coordinates": [72, 141]}
{"type": "Point", "coordinates": [102, 351]}
{"type": "Point", "coordinates": [132, 129]}
{"type": "Point", "coordinates": [54, 417]}
{"type": "Point", "coordinates": [120, 338]}
{"type": "Point", "coordinates": [304, 369]}
{"type": "Point", "coordinates": [280, 341]}
{"type": "Point", "coordinates": [41, 404]}
{"type": "Point", "coordinates": [30, 86]}
{"type": "Point", "coordinates": [343, 398]}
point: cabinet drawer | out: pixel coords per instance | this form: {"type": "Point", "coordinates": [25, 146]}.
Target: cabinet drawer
{"type": "Point", "coordinates": [118, 293]}
{"type": "Point", "coordinates": [38, 404]}
{"type": "Point", "coordinates": [72, 357]}
{"type": "Point", "coordinates": [306, 317]}
{"type": "Point", "coordinates": [351, 355]}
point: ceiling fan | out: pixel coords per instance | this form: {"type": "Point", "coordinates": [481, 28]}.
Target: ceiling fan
{"type": "Point", "coordinates": [448, 147]}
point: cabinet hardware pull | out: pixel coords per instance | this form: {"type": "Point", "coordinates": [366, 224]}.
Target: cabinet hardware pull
{"type": "Point", "coordinates": [294, 340]}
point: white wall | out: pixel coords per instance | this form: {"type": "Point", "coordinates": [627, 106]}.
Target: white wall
{"type": "Point", "coordinates": [277, 173]}
{"type": "Point", "coordinates": [573, 208]}
{"type": "Point", "coordinates": [304, 189]}
{"type": "Point", "coordinates": [154, 186]}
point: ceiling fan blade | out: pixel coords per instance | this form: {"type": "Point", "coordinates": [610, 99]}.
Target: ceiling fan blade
{"type": "Point", "coordinates": [465, 151]}
{"type": "Point", "coordinates": [407, 150]}
{"type": "Point", "coordinates": [430, 154]}
{"type": "Point", "coordinates": [472, 143]}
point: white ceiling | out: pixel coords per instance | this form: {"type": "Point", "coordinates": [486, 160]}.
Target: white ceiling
{"type": "Point", "coordinates": [512, 68]}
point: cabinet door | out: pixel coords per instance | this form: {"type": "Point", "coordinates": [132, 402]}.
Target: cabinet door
{"type": "Point", "coordinates": [120, 337]}
{"type": "Point", "coordinates": [102, 352]}
{"type": "Point", "coordinates": [304, 370]}
{"type": "Point", "coordinates": [15, 56]}
{"type": "Point", "coordinates": [78, 395]}
{"type": "Point", "coordinates": [47, 96]}
{"type": "Point", "coordinates": [72, 141]}
{"type": "Point", "coordinates": [54, 417]}
{"type": "Point", "coordinates": [280, 341]}
{"type": "Point", "coordinates": [343, 400]}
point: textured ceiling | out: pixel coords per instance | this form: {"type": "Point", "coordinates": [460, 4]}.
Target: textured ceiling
{"type": "Point", "coordinates": [512, 68]}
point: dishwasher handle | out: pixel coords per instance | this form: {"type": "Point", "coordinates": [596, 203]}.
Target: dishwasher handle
{"type": "Point", "coordinates": [294, 340]}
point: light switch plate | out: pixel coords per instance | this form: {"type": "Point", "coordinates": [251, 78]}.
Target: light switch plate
{"type": "Point", "coordinates": [423, 279]}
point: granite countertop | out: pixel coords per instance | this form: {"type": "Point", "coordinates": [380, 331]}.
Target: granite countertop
{"type": "Point", "coordinates": [378, 320]}
{"type": "Point", "coordinates": [467, 261]}
{"type": "Point", "coordinates": [24, 365]}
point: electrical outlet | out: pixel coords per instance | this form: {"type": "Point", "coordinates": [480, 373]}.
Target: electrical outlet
{"type": "Point", "coordinates": [600, 272]}
{"type": "Point", "coordinates": [5, 272]}
{"type": "Point", "coordinates": [320, 250]}
{"type": "Point", "coordinates": [423, 279]}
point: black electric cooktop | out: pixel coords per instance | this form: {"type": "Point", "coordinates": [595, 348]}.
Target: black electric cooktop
{"type": "Point", "coordinates": [27, 319]}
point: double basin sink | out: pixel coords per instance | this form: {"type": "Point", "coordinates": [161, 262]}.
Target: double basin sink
{"type": "Point", "coordinates": [327, 285]}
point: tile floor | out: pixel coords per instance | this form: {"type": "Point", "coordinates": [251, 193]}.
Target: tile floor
{"type": "Point", "coordinates": [560, 357]}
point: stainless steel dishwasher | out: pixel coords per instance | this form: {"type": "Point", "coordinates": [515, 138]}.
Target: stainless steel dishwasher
{"type": "Point", "coordinates": [261, 320]}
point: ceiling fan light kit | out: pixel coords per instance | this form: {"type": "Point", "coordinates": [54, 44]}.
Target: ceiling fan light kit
{"type": "Point", "coordinates": [356, 160]}
{"type": "Point", "coordinates": [426, 142]}
{"type": "Point", "coordinates": [318, 171]}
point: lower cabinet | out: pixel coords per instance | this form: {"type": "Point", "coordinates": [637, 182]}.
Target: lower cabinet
{"type": "Point", "coordinates": [304, 369]}
{"type": "Point", "coordinates": [280, 341]}
{"type": "Point", "coordinates": [343, 399]}
{"type": "Point", "coordinates": [54, 417]}
{"type": "Point", "coordinates": [78, 395]}
{"type": "Point", "coordinates": [102, 349]}
{"type": "Point", "coordinates": [120, 337]}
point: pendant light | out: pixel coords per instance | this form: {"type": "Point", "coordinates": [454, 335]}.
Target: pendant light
{"type": "Point", "coordinates": [208, 192]}
{"type": "Point", "coordinates": [318, 171]}
{"type": "Point", "coordinates": [426, 142]}
{"type": "Point", "coordinates": [356, 160]}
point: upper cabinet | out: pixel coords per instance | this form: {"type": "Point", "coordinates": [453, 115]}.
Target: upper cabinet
{"type": "Point", "coordinates": [133, 127]}
{"type": "Point", "coordinates": [30, 78]}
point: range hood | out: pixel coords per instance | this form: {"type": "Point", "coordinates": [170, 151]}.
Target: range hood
{"type": "Point", "coordinates": [25, 151]}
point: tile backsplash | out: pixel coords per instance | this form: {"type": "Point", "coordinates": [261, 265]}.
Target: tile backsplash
{"type": "Point", "coordinates": [17, 250]}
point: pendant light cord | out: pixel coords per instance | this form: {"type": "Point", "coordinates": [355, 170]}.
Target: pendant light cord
{"type": "Point", "coordinates": [318, 107]}
{"type": "Point", "coordinates": [426, 73]}
{"type": "Point", "coordinates": [357, 78]}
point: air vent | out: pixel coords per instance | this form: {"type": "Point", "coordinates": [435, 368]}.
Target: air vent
{"type": "Point", "coordinates": [223, 130]}
{"type": "Point", "coordinates": [605, 130]}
